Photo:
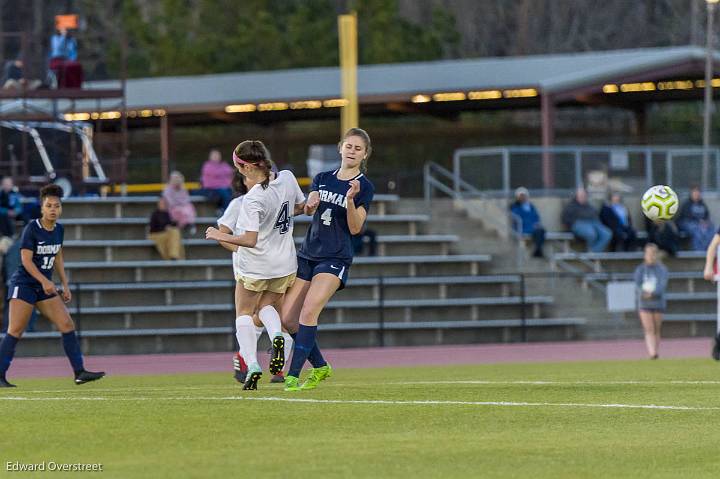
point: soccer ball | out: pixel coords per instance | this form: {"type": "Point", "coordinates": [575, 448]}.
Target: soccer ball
{"type": "Point", "coordinates": [659, 203]}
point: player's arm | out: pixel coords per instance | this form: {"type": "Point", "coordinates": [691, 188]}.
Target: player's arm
{"type": "Point", "coordinates": [708, 274]}
{"type": "Point", "coordinates": [60, 268]}
{"type": "Point", "coordinates": [227, 246]}
{"type": "Point", "coordinates": [299, 209]}
{"type": "Point", "coordinates": [355, 215]}
{"type": "Point", "coordinates": [312, 203]}
{"type": "Point", "coordinates": [26, 256]}
{"type": "Point", "coordinates": [247, 239]}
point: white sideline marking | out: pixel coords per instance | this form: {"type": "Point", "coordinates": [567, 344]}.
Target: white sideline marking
{"type": "Point", "coordinates": [376, 401]}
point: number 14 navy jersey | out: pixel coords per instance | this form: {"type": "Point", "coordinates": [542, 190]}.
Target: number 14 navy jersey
{"type": "Point", "coordinates": [329, 235]}
{"type": "Point", "coordinates": [45, 245]}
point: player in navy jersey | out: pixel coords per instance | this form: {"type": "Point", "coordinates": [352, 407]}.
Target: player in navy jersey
{"type": "Point", "coordinates": [32, 287]}
{"type": "Point", "coordinates": [339, 202]}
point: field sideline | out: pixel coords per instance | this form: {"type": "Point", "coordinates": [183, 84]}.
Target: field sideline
{"type": "Point", "coordinates": [564, 419]}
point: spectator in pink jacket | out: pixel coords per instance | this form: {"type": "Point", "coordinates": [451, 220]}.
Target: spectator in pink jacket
{"type": "Point", "coordinates": [216, 179]}
{"type": "Point", "coordinates": [181, 209]}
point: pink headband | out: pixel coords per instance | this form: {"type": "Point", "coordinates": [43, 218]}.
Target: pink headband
{"type": "Point", "coordinates": [237, 160]}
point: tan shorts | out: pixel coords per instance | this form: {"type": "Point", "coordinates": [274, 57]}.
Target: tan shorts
{"type": "Point", "coordinates": [274, 285]}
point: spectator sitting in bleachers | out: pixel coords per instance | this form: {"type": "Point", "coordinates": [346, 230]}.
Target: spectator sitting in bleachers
{"type": "Point", "coordinates": [664, 234]}
{"type": "Point", "coordinates": [616, 216]}
{"type": "Point", "coordinates": [63, 60]}
{"type": "Point", "coordinates": [14, 77]}
{"type": "Point", "coordinates": [165, 234]}
{"type": "Point", "coordinates": [358, 241]}
{"type": "Point", "coordinates": [584, 222]}
{"type": "Point", "coordinates": [10, 207]}
{"type": "Point", "coordinates": [526, 220]}
{"type": "Point", "coordinates": [181, 209]}
{"type": "Point", "coordinates": [693, 218]}
{"type": "Point", "coordinates": [216, 179]}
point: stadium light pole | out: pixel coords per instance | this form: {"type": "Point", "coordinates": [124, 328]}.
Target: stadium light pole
{"type": "Point", "coordinates": [347, 33]}
{"type": "Point", "coordinates": [708, 92]}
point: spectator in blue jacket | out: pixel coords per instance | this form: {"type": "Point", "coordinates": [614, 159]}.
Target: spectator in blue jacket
{"type": "Point", "coordinates": [10, 207]}
{"type": "Point", "coordinates": [526, 220]}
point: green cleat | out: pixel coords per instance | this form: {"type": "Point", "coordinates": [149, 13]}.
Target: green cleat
{"type": "Point", "coordinates": [317, 375]}
{"type": "Point", "coordinates": [291, 383]}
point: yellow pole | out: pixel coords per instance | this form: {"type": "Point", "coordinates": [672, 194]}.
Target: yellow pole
{"type": "Point", "coordinates": [347, 29]}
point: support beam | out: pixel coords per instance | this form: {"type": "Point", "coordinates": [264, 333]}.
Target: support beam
{"type": "Point", "coordinates": [547, 108]}
{"type": "Point", "coordinates": [641, 123]}
{"type": "Point", "coordinates": [166, 147]}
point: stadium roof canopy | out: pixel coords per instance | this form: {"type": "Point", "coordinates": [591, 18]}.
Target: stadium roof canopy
{"type": "Point", "coordinates": [621, 78]}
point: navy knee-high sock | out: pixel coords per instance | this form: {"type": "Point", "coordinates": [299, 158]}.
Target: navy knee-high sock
{"type": "Point", "coordinates": [315, 358]}
{"type": "Point", "coordinates": [304, 343]}
{"type": "Point", "coordinates": [72, 351]}
{"type": "Point", "coordinates": [7, 351]}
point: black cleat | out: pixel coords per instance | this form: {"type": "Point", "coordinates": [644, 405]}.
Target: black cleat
{"type": "Point", "coordinates": [240, 368]}
{"type": "Point", "coordinates": [252, 379]}
{"type": "Point", "coordinates": [716, 348]}
{"type": "Point", "coordinates": [86, 376]}
{"type": "Point", "coordinates": [277, 361]}
{"type": "Point", "coordinates": [5, 384]}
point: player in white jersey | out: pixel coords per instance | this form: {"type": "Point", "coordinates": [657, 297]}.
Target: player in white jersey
{"type": "Point", "coordinates": [266, 259]}
{"type": "Point", "coordinates": [227, 224]}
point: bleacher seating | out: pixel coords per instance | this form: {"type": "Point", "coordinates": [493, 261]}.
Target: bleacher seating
{"type": "Point", "coordinates": [127, 300]}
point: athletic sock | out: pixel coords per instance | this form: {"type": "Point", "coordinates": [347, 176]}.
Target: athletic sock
{"type": "Point", "coordinates": [246, 339]}
{"type": "Point", "coordinates": [288, 347]}
{"type": "Point", "coordinates": [7, 351]}
{"type": "Point", "coordinates": [72, 351]}
{"type": "Point", "coordinates": [271, 320]}
{"type": "Point", "coordinates": [258, 332]}
{"type": "Point", "coordinates": [304, 343]}
{"type": "Point", "coordinates": [315, 358]}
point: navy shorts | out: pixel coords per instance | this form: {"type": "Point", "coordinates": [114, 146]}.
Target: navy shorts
{"type": "Point", "coordinates": [307, 269]}
{"type": "Point", "coordinates": [29, 294]}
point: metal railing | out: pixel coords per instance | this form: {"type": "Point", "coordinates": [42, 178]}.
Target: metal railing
{"type": "Point", "coordinates": [495, 172]}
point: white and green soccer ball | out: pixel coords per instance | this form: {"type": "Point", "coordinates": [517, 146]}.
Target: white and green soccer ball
{"type": "Point", "coordinates": [659, 203]}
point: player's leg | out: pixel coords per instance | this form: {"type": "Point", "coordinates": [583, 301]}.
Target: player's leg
{"type": "Point", "coordinates": [240, 367]}
{"type": "Point", "coordinates": [716, 346]}
{"type": "Point", "coordinates": [280, 377]}
{"type": "Point", "coordinates": [646, 319]}
{"type": "Point", "coordinates": [20, 312]}
{"type": "Point", "coordinates": [322, 288]}
{"type": "Point", "coordinates": [271, 320]}
{"type": "Point", "coordinates": [246, 301]}
{"type": "Point", "coordinates": [657, 323]}
{"type": "Point", "coordinates": [54, 310]}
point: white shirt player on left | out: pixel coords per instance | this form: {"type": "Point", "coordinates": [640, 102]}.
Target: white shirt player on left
{"type": "Point", "coordinates": [234, 221]}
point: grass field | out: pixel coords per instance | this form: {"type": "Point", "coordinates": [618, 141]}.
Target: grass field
{"type": "Point", "coordinates": [521, 420]}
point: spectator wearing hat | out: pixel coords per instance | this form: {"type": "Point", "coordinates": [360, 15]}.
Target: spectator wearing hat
{"type": "Point", "coordinates": [526, 220]}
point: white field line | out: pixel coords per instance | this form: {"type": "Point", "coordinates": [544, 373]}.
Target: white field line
{"type": "Point", "coordinates": [235, 386]}
{"type": "Point", "coordinates": [378, 401]}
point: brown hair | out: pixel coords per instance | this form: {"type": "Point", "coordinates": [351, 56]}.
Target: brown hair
{"type": "Point", "coordinates": [50, 190]}
{"type": "Point", "coordinates": [255, 152]}
{"type": "Point", "coordinates": [238, 184]}
{"type": "Point", "coordinates": [368, 144]}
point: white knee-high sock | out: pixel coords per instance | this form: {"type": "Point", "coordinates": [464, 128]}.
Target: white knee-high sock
{"type": "Point", "coordinates": [271, 319]}
{"type": "Point", "coordinates": [246, 339]}
{"type": "Point", "coordinates": [258, 332]}
{"type": "Point", "coordinates": [288, 348]}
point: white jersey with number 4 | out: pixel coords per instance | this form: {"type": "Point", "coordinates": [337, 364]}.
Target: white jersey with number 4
{"type": "Point", "coordinates": [229, 219]}
{"type": "Point", "coordinates": [269, 211]}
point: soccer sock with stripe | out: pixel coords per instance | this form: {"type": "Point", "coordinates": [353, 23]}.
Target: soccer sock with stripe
{"type": "Point", "coordinates": [315, 358]}
{"type": "Point", "coordinates": [71, 345]}
{"type": "Point", "coordinates": [304, 343]}
{"type": "Point", "coordinates": [245, 334]}
{"type": "Point", "coordinates": [271, 320]}
{"type": "Point", "coordinates": [7, 351]}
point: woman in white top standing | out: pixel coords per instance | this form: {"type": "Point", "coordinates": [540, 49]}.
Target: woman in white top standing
{"type": "Point", "coordinates": [266, 260]}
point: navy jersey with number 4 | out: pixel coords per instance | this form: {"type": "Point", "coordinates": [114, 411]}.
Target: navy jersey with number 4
{"type": "Point", "coordinates": [329, 235]}
{"type": "Point", "coordinates": [45, 245]}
